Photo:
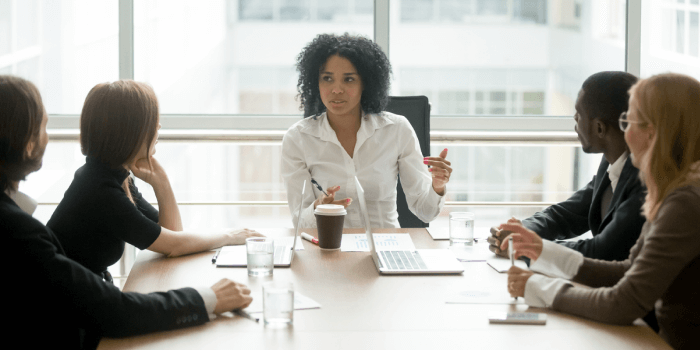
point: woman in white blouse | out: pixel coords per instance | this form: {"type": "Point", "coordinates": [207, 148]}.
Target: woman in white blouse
{"type": "Point", "coordinates": [662, 130]}
{"type": "Point", "coordinates": [343, 86]}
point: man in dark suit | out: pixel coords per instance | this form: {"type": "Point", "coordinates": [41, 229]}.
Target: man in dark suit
{"type": "Point", "coordinates": [610, 205]}
{"type": "Point", "coordinates": [52, 301]}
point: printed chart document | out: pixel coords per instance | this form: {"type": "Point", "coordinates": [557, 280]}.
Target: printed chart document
{"type": "Point", "coordinates": [357, 242]}
{"type": "Point", "coordinates": [301, 302]}
{"type": "Point", "coordinates": [483, 297]}
{"type": "Point", "coordinates": [501, 265]}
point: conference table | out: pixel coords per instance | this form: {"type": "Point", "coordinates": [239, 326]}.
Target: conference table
{"type": "Point", "coordinates": [361, 309]}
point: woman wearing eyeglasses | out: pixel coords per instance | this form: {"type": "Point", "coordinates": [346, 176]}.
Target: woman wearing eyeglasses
{"type": "Point", "coordinates": [662, 130]}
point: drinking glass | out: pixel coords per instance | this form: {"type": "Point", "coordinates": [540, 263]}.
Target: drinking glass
{"type": "Point", "coordinates": [461, 228]}
{"type": "Point", "coordinates": [261, 259]}
{"type": "Point", "coordinates": [278, 303]}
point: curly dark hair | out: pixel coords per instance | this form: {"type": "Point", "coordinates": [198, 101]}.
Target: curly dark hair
{"type": "Point", "coordinates": [368, 58]}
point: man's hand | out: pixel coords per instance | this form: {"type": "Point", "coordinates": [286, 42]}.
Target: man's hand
{"type": "Point", "coordinates": [525, 242]}
{"type": "Point", "coordinates": [238, 236]}
{"type": "Point", "coordinates": [498, 236]}
{"type": "Point", "coordinates": [230, 295]}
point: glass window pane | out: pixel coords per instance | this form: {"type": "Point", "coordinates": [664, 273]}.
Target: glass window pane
{"type": "Point", "coordinates": [513, 47]}
{"type": "Point", "coordinates": [669, 40]}
{"type": "Point", "coordinates": [64, 47]}
{"type": "Point", "coordinates": [231, 57]}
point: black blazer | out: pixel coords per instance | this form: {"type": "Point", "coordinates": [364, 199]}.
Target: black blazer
{"type": "Point", "coordinates": [56, 303]}
{"type": "Point", "coordinates": [614, 234]}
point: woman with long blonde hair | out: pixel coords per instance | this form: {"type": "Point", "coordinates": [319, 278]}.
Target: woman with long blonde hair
{"type": "Point", "coordinates": [662, 130]}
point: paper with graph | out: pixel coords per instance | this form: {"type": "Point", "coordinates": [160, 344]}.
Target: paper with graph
{"type": "Point", "coordinates": [357, 242]}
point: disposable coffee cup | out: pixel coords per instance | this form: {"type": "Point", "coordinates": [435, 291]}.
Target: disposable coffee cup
{"type": "Point", "coordinates": [329, 221]}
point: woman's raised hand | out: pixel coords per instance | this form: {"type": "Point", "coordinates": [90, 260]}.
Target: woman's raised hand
{"type": "Point", "coordinates": [151, 174]}
{"type": "Point", "coordinates": [440, 169]}
{"type": "Point", "coordinates": [330, 198]}
{"type": "Point", "coordinates": [525, 242]}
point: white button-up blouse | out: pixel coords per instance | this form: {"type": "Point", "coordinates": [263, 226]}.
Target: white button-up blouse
{"type": "Point", "coordinates": [386, 147]}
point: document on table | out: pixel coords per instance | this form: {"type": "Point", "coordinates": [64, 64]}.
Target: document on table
{"type": "Point", "coordinates": [476, 252]}
{"type": "Point", "coordinates": [301, 302]}
{"type": "Point", "coordinates": [483, 297]}
{"type": "Point", "coordinates": [501, 265]}
{"type": "Point", "coordinates": [357, 242]}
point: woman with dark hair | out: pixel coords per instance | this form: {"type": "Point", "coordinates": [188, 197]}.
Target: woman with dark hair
{"type": "Point", "coordinates": [43, 279]}
{"type": "Point", "coordinates": [102, 209]}
{"type": "Point", "coordinates": [662, 130]}
{"type": "Point", "coordinates": [343, 87]}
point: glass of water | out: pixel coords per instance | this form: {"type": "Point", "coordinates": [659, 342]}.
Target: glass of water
{"type": "Point", "coordinates": [278, 303]}
{"type": "Point", "coordinates": [461, 228]}
{"type": "Point", "coordinates": [261, 259]}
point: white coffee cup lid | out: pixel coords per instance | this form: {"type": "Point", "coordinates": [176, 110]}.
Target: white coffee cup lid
{"type": "Point", "coordinates": [330, 209]}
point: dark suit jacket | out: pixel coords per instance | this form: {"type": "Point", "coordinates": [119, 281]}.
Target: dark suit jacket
{"type": "Point", "coordinates": [614, 234]}
{"type": "Point", "coordinates": [56, 303]}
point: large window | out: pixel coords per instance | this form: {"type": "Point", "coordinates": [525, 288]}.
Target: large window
{"type": "Point", "coordinates": [64, 47]}
{"type": "Point", "coordinates": [670, 37]}
{"type": "Point", "coordinates": [234, 57]}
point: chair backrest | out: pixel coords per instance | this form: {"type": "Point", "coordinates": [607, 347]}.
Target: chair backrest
{"type": "Point", "coordinates": [417, 110]}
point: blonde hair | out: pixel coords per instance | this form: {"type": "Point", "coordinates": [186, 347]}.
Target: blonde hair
{"type": "Point", "coordinates": [670, 103]}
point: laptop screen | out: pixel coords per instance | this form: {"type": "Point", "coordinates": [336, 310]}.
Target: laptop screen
{"type": "Point", "coordinates": [365, 213]}
{"type": "Point", "coordinates": [296, 227]}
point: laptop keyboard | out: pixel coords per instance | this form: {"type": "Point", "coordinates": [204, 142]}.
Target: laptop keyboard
{"type": "Point", "coordinates": [403, 260]}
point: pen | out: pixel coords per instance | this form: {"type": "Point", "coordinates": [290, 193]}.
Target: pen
{"type": "Point", "coordinates": [511, 254]}
{"type": "Point", "coordinates": [246, 315]}
{"type": "Point", "coordinates": [309, 238]}
{"type": "Point", "coordinates": [318, 186]}
{"type": "Point", "coordinates": [216, 256]}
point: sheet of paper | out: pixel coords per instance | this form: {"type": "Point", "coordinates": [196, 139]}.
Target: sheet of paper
{"type": "Point", "coordinates": [483, 297]}
{"type": "Point", "coordinates": [301, 302]}
{"type": "Point", "coordinates": [443, 233]}
{"type": "Point", "coordinates": [478, 252]}
{"type": "Point", "coordinates": [357, 242]}
{"type": "Point", "coordinates": [502, 264]}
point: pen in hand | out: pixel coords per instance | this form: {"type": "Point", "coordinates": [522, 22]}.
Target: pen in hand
{"type": "Point", "coordinates": [318, 186]}
{"type": "Point", "coordinates": [511, 254]}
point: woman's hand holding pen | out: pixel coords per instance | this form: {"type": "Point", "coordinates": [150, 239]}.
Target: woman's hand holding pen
{"type": "Point", "coordinates": [441, 171]}
{"type": "Point", "coordinates": [330, 198]}
{"type": "Point", "coordinates": [517, 279]}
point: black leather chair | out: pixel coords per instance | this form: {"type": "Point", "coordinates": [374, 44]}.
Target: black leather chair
{"type": "Point", "coordinates": [417, 110]}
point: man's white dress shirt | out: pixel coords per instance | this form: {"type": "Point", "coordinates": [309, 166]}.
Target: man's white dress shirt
{"type": "Point", "coordinates": [386, 147]}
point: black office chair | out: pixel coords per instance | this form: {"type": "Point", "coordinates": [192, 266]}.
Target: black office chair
{"type": "Point", "coordinates": [417, 110]}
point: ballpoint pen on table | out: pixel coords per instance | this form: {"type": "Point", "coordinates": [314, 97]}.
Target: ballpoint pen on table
{"type": "Point", "coordinates": [318, 186]}
{"type": "Point", "coordinates": [216, 256]}
{"type": "Point", "coordinates": [511, 254]}
{"type": "Point", "coordinates": [246, 315]}
{"type": "Point", "coordinates": [309, 238]}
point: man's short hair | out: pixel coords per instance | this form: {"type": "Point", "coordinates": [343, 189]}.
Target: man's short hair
{"type": "Point", "coordinates": [606, 95]}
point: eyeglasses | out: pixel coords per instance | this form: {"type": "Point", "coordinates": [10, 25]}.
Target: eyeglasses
{"type": "Point", "coordinates": [625, 123]}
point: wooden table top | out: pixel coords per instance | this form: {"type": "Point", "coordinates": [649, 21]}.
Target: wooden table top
{"type": "Point", "coordinates": [361, 309]}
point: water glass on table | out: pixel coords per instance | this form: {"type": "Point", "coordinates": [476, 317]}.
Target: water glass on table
{"type": "Point", "coordinates": [261, 259]}
{"type": "Point", "coordinates": [462, 228]}
{"type": "Point", "coordinates": [278, 303]}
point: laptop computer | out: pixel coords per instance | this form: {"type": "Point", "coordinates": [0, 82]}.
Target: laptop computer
{"type": "Point", "coordinates": [237, 256]}
{"type": "Point", "coordinates": [405, 262]}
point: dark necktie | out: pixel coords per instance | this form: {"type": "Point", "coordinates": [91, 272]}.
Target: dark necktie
{"type": "Point", "coordinates": [607, 196]}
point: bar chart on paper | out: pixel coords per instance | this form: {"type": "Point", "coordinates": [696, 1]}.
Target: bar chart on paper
{"type": "Point", "coordinates": [384, 241]}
